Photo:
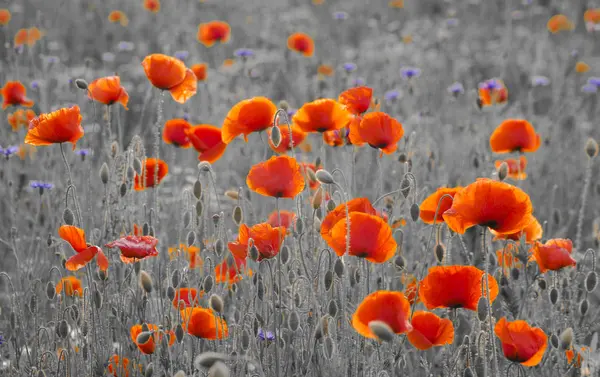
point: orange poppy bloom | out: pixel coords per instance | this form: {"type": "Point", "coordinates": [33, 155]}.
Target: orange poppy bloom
{"type": "Point", "coordinates": [515, 135]}
{"type": "Point", "coordinates": [554, 254]}
{"type": "Point", "coordinates": [357, 100]}
{"type": "Point", "coordinates": [510, 260]}
{"type": "Point", "coordinates": [454, 287]}
{"type": "Point", "coordinates": [411, 291]}
{"type": "Point", "coordinates": [492, 92]}
{"type": "Point", "coordinates": [298, 137]}
{"type": "Point", "coordinates": [301, 43]}
{"type": "Point", "coordinates": [149, 347]}
{"type": "Point", "coordinates": [117, 367]}
{"type": "Point", "coordinates": [60, 126]}
{"type": "Point", "coordinates": [360, 205]}
{"type": "Point", "coordinates": [71, 285]}
{"type": "Point", "coordinates": [353, 132]}
{"type": "Point", "coordinates": [247, 116]}
{"type": "Point", "coordinates": [212, 32]}
{"type": "Point", "coordinates": [84, 252]}
{"type": "Point", "coordinates": [5, 17]}
{"type": "Point", "coordinates": [429, 206]}
{"type": "Point", "coordinates": [279, 177]}
{"type": "Point", "coordinates": [135, 248]}
{"type": "Point", "coordinates": [520, 342]}
{"type": "Point", "coordinates": [370, 238]}
{"type": "Point", "coordinates": [516, 168]}
{"type": "Point", "coordinates": [228, 63]}
{"type": "Point", "coordinates": [389, 307]}
{"type": "Point", "coordinates": [398, 4]}
{"type": "Point", "coordinates": [322, 115]}
{"type": "Point", "coordinates": [381, 131]}
{"type": "Point", "coordinates": [203, 323]}
{"type": "Point", "coordinates": [592, 16]}
{"type": "Point", "coordinates": [108, 90]}
{"type": "Point", "coordinates": [558, 23]}
{"type": "Point", "coordinates": [581, 67]}
{"type": "Point", "coordinates": [533, 232]}
{"type": "Point", "coordinates": [570, 354]}
{"type": "Point", "coordinates": [189, 297]}
{"type": "Point", "coordinates": [429, 330]}
{"type": "Point", "coordinates": [207, 140]}
{"type": "Point", "coordinates": [26, 150]}
{"type": "Point", "coordinates": [287, 219]}
{"type": "Point", "coordinates": [325, 70]}
{"type": "Point", "coordinates": [14, 94]}
{"type": "Point", "coordinates": [497, 205]}
{"type": "Point", "coordinates": [231, 273]}
{"type": "Point", "coordinates": [266, 238]}
{"type": "Point", "coordinates": [20, 118]}
{"type": "Point", "coordinates": [175, 132]}
{"type": "Point", "coordinates": [192, 253]}
{"type": "Point", "coordinates": [34, 35]}
{"type": "Point", "coordinates": [152, 5]}
{"type": "Point", "coordinates": [118, 16]}
{"type": "Point", "coordinates": [147, 179]}
{"type": "Point", "coordinates": [201, 71]}
{"type": "Point", "coordinates": [168, 73]}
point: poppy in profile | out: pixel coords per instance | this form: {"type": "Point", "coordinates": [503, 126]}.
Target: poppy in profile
{"type": "Point", "coordinates": [149, 347]}
{"type": "Point", "coordinates": [168, 73]}
{"type": "Point", "coordinates": [516, 168]}
{"type": "Point", "coordinates": [288, 218]}
{"type": "Point", "coordinates": [187, 297]}
{"type": "Point", "coordinates": [5, 17]}
{"type": "Point", "coordinates": [532, 232]}
{"type": "Point", "coordinates": [381, 131]}
{"type": "Point", "coordinates": [325, 70]}
{"type": "Point", "coordinates": [497, 205]}
{"type": "Point", "coordinates": [108, 90]}
{"type": "Point", "coordinates": [247, 116]}
{"type": "Point", "coordinates": [515, 135]}
{"type": "Point", "coordinates": [558, 23]}
{"type": "Point", "coordinates": [361, 205]}
{"type": "Point", "coordinates": [118, 16]}
{"type": "Point", "coordinates": [213, 32]}
{"type": "Point", "coordinates": [389, 307]}
{"type": "Point", "coordinates": [571, 359]}
{"type": "Point", "coordinates": [71, 285]}
{"type": "Point", "coordinates": [148, 178]}
{"type": "Point", "coordinates": [322, 115]}
{"type": "Point", "coordinates": [298, 137]}
{"type": "Point", "coordinates": [429, 330]}
{"type": "Point", "coordinates": [455, 287]}
{"type": "Point", "coordinates": [582, 67]}
{"type": "Point", "coordinates": [15, 94]}
{"type": "Point", "coordinates": [20, 118]}
{"type": "Point", "coordinates": [203, 323]}
{"type": "Point", "coordinates": [492, 92]}
{"type": "Point", "coordinates": [301, 43]}
{"type": "Point", "coordinates": [208, 141]}
{"type": "Point", "coordinates": [553, 255]}
{"type": "Point", "coordinates": [266, 238]}
{"type": "Point", "coordinates": [152, 5]}
{"type": "Point", "coordinates": [357, 100]}
{"type": "Point", "coordinates": [84, 252]}
{"type": "Point", "coordinates": [279, 177]}
{"type": "Point", "coordinates": [521, 343]}
{"type": "Point", "coordinates": [201, 71]}
{"type": "Point", "coordinates": [429, 206]}
{"type": "Point", "coordinates": [118, 367]}
{"type": "Point", "coordinates": [230, 271]}
{"type": "Point", "coordinates": [34, 34]}
{"type": "Point", "coordinates": [135, 248]}
{"type": "Point", "coordinates": [175, 132]}
{"type": "Point", "coordinates": [60, 126]}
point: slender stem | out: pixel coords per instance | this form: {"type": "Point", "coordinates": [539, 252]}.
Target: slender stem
{"type": "Point", "coordinates": [489, 302]}
{"type": "Point", "coordinates": [70, 183]}
{"type": "Point", "coordinates": [584, 194]}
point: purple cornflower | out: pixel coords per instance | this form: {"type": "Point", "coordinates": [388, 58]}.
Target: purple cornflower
{"type": "Point", "coordinates": [186, 117]}
{"type": "Point", "coordinates": [35, 85]}
{"type": "Point", "coordinates": [125, 46]}
{"type": "Point", "coordinates": [408, 73]}
{"type": "Point", "coordinates": [244, 53]}
{"type": "Point", "coordinates": [391, 95]}
{"type": "Point", "coordinates": [83, 153]}
{"type": "Point", "coordinates": [268, 335]}
{"type": "Point", "coordinates": [540, 81]}
{"type": "Point", "coordinates": [594, 81]}
{"type": "Point", "coordinates": [182, 55]}
{"type": "Point", "coordinates": [9, 150]}
{"type": "Point", "coordinates": [452, 21]}
{"type": "Point", "coordinates": [41, 186]}
{"type": "Point", "coordinates": [340, 15]}
{"type": "Point", "coordinates": [1, 340]}
{"type": "Point", "coordinates": [359, 81]}
{"type": "Point", "coordinates": [491, 84]}
{"type": "Point", "coordinates": [589, 88]}
{"type": "Point", "coordinates": [456, 88]}
{"type": "Point", "coordinates": [349, 67]}
{"type": "Point", "coordinates": [291, 112]}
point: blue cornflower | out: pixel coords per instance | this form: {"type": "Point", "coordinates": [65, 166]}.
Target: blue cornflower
{"type": "Point", "coordinates": [291, 112]}
{"type": "Point", "coordinates": [182, 55]}
{"type": "Point", "coordinates": [409, 72]}
{"type": "Point", "coordinates": [589, 88]}
{"type": "Point", "coordinates": [9, 150]}
{"type": "Point", "coordinates": [594, 81]}
{"type": "Point", "coordinates": [186, 117]}
{"type": "Point", "coordinates": [452, 21]}
{"type": "Point", "coordinates": [83, 152]}
{"type": "Point", "coordinates": [391, 95]}
{"type": "Point", "coordinates": [340, 15]}
{"type": "Point", "coordinates": [1, 340]}
{"type": "Point", "coordinates": [41, 185]}
{"type": "Point", "coordinates": [540, 81]}
{"type": "Point", "coordinates": [244, 53]}
{"type": "Point", "coordinates": [125, 46]}
{"type": "Point", "coordinates": [35, 85]}
{"type": "Point", "coordinates": [359, 81]}
{"type": "Point", "coordinates": [268, 335]}
{"type": "Point", "coordinates": [349, 67]}
{"type": "Point", "coordinates": [456, 88]}
{"type": "Point", "coordinates": [491, 84]}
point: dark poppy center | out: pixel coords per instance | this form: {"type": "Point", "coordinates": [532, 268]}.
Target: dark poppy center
{"type": "Point", "coordinates": [362, 254]}
{"type": "Point", "coordinates": [380, 145]}
{"type": "Point", "coordinates": [493, 224]}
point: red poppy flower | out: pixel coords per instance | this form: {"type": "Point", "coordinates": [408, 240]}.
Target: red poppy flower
{"type": "Point", "coordinates": [212, 32]}
{"type": "Point", "coordinates": [84, 252]}
{"type": "Point", "coordinates": [454, 287]}
{"type": "Point", "coordinates": [175, 132]}
{"type": "Point", "coordinates": [15, 94]}
{"type": "Point", "coordinates": [5, 17]}
{"type": "Point", "coordinates": [361, 205]}
{"type": "Point", "coordinates": [231, 270]}
{"type": "Point", "coordinates": [554, 254]}
{"type": "Point", "coordinates": [558, 23]}
{"type": "Point", "coordinates": [429, 330]}
{"type": "Point", "coordinates": [492, 92]}
{"type": "Point", "coordinates": [533, 232]}
{"type": "Point", "coordinates": [354, 137]}
{"type": "Point", "coordinates": [322, 115]}
{"type": "Point", "coordinates": [247, 116]}
{"type": "Point", "coordinates": [189, 297]}
{"type": "Point", "coordinates": [20, 118]}
{"type": "Point", "coordinates": [134, 248]}
{"type": "Point", "coordinates": [516, 168]}
{"type": "Point", "coordinates": [297, 138]}
{"type": "Point", "coordinates": [203, 323]}
{"type": "Point", "coordinates": [266, 238]}
{"type": "Point", "coordinates": [389, 307]}
{"type": "Point", "coordinates": [152, 5]}
{"type": "Point", "coordinates": [207, 140]}
{"type": "Point", "coordinates": [60, 126]}
{"type": "Point", "coordinates": [429, 206]}
{"type": "Point", "coordinates": [520, 342]}
{"type": "Point", "coordinates": [287, 219]}
{"type": "Point", "coordinates": [301, 43]}
{"type": "Point", "coordinates": [118, 16]}
{"type": "Point", "coordinates": [149, 170]}
{"type": "Point", "coordinates": [108, 90]}
{"type": "Point", "coordinates": [279, 177]}
{"type": "Point", "coordinates": [514, 135]}
{"type": "Point", "coordinates": [381, 131]}
{"type": "Point", "coordinates": [71, 285]}
{"type": "Point", "coordinates": [168, 73]}
{"type": "Point", "coordinates": [570, 354]}
{"type": "Point", "coordinates": [201, 71]}
{"type": "Point", "coordinates": [497, 205]}
{"type": "Point", "coordinates": [118, 367]}
{"type": "Point", "coordinates": [149, 347]}
{"type": "Point", "coordinates": [357, 100]}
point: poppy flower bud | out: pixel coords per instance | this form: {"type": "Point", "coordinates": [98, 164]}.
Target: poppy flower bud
{"type": "Point", "coordinates": [137, 267]}
{"type": "Point", "coordinates": [275, 136]}
{"type": "Point", "coordinates": [143, 337]}
{"type": "Point", "coordinates": [232, 194]}
{"type": "Point", "coordinates": [382, 331]}
{"type": "Point", "coordinates": [328, 348]}
{"type": "Point", "coordinates": [260, 290]}
{"type": "Point", "coordinates": [179, 333]}
{"type": "Point", "coordinates": [145, 327]}
{"type": "Point", "coordinates": [137, 166]}
{"type": "Point", "coordinates": [554, 340]}
{"type": "Point", "coordinates": [253, 252]}
{"type": "Point", "coordinates": [584, 306]}
{"type": "Point", "coordinates": [176, 278]}
{"type": "Point", "coordinates": [554, 296]}
{"type": "Point", "coordinates": [81, 84]}
{"type": "Point", "coordinates": [149, 370]}
{"type": "Point", "coordinates": [219, 369]}
{"type": "Point", "coordinates": [114, 149]}
{"type": "Point", "coordinates": [130, 173]}
{"type": "Point", "coordinates": [216, 218]}
{"type": "Point", "coordinates": [514, 273]}
{"type": "Point", "coordinates": [237, 215]}
{"type": "Point", "coordinates": [145, 282]}
{"type": "Point", "coordinates": [468, 372]}
{"type": "Point", "coordinates": [502, 171]}
{"type": "Point", "coordinates": [591, 281]}
{"type": "Point", "coordinates": [405, 187]}
{"type": "Point", "coordinates": [332, 308]}
{"type": "Point", "coordinates": [331, 204]}
{"type": "Point", "coordinates": [216, 303]}
{"type": "Point", "coordinates": [191, 238]}
{"type": "Point", "coordinates": [63, 329]}
{"type": "Point", "coordinates": [187, 219]}
{"type": "Point", "coordinates": [284, 254]}
{"type": "Point", "coordinates": [199, 208]}
{"type": "Point", "coordinates": [68, 217]}
{"type": "Point", "coordinates": [440, 252]}
{"type": "Point", "coordinates": [317, 199]}
{"type": "Point", "coordinates": [123, 189]}
{"type": "Point", "coordinates": [204, 166]}
{"type": "Point", "coordinates": [104, 173]}
{"type": "Point", "coordinates": [208, 283]}
{"type": "Point", "coordinates": [324, 177]}
{"type": "Point", "coordinates": [591, 148]}
{"type": "Point", "coordinates": [328, 280]}
{"type": "Point", "coordinates": [170, 293]}
{"type": "Point", "coordinates": [97, 298]}
{"type": "Point", "coordinates": [414, 212]}
{"type": "Point", "coordinates": [283, 105]}
{"type": "Point", "coordinates": [402, 158]}
{"type": "Point", "coordinates": [542, 283]}
{"type": "Point", "coordinates": [299, 225]}
{"type": "Point", "coordinates": [399, 262]}
{"type": "Point", "coordinates": [50, 290]}
{"type": "Point", "coordinates": [566, 338]}
{"type": "Point", "coordinates": [207, 359]}
{"type": "Point", "coordinates": [293, 321]}
{"type": "Point", "coordinates": [482, 309]}
{"type": "Point", "coordinates": [219, 246]}
{"type": "Point", "coordinates": [197, 189]}
{"type": "Point", "coordinates": [338, 267]}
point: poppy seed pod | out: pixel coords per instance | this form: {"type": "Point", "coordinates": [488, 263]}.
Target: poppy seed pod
{"type": "Point", "coordinates": [414, 212]}
{"type": "Point", "coordinates": [208, 359]}
{"type": "Point", "coordinates": [198, 189]}
{"type": "Point", "coordinates": [104, 173]}
{"type": "Point", "coordinates": [502, 171]}
{"type": "Point", "coordinates": [237, 215]}
{"type": "Point", "coordinates": [482, 309]}
{"type": "Point", "coordinates": [68, 216]}
{"type": "Point", "coordinates": [324, 177]}
{"type": "Point", "coordinates": [275, 136]}
{"type": "Point", "coordinates": [81, 84]}
{"type": "Point", "coordinates": [216, 303]}
{"type": "Point", "coordinates": [591, 281]}
{"type": "Point", "coordinates": [440, 252]}
{"type": "Point", "coordinates": [382, 331]}
{"type": "Point", "coordinates": [191, 238]}
{"type": "Point", "coordinates": [591, 148]}
{"type": "Point", "coordinates": [145, 282]}
{"type": "Point", "coordinates": [584, 306]}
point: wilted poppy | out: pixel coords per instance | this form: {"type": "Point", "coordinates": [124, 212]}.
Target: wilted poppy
{"type": "Point", "coordinates": [301, 43]}
{"type": "Point", "coordinates": [108, 90]}
{"type": "Point", "coordinates": [176, 132]}
{"type": "Point", "coordinates": [60, 126]}
{"type": "Point", "coordinates": [152, 5]}
{"type": "Point", "coordinates": [231, 270]}
{"type": "Point", "coordinates": [514, 135]}
{"type": "Point", "coordinates": [429, 206]}
{"type": "Point", "coordinates": [148, 178]}
{"type": "Point", "coordinates": [521, 343]}
{"type": "Point", "coordinates": [532, 232]}
{"type": "Point", "coordinates": [168, 73]}
{"type": "Point", "coordinates": [497, 205]}
{"type": "Point", "coordinates": [381, 131]}
{"type": "Point", "coordinates": [203, 323]}
{"type": "Point", "coordinates": [188, 296]}
{"type": "Point", "coordinates": [279, 177]}
{"type": "Point", "coordinates": [516, 168]}
{"type": "Point", "coordinates": [20, 118]}
{"type": "Point", "coordinates": [118, 367]}
{"type": "Point", "coordinates": [118, 16]}
{"type": "Point", "coordinates": [282, 218]}
{"type": "Point", "coordinates": [389, 307]}
{"type": "Point", "coordinates": [338, 214]}
{"type": "Point", "coordinates": [84, 252]}
{"type": "Point", "coordinates": [571, 359]}
{"type": "Point", "coordinates": [247, 116]}
{"type": "Point", "coordinates": [212, 32]}
{"type": "Point", "coordinates": [455, 287]}
{"type": "Point", "coordinates": [492, 92]}
{"type": "Point", "coordinates": [71, 285]}
{"type": "Point", "coordinates": [201, 71]}
{"type": "Point", "coordinates": [429, 330]}
{"type": "Point", "coordinates": [266, 238]}
{"type": "Point", "coordinates": [208, 141]}
{"type": "Point", "coordinates": [134, 248]}
{"type": "Point", "coordinates": [357, 100]}
{"type": "Point", "coordinates": [298, 137]}
{"type": "Point", "coordinates": [554, 254]}
{"type": "Point", "coordinates": [558, 23]}
{"type": "Point", "coordinates": [5, 17]}
{"type": "Point", "coordinates": [15, 94]}
{"type": "Point", "coordinates": [322, 115]}
{"type": "Point", "coordinates": [149, 346]}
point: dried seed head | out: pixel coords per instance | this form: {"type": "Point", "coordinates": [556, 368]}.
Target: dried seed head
{"type": "Point", "coordinates": [81, 84]}
{"type": "Point", "coordinates": [591, 148]}
{"type": "Point", "coordinates": [317, 198]}
{"type": "Point", "coordinates": [68, 217]}
{"type": "Point", "coordinates": [216, 303]}
{"type": "Point", "coordinates": [502, 171]}
{"type": "Point", "coordinates": [104, 173]}
{"type": "Point", "coordinates": [591, 280]}
{"type": "Point", "coordinates": [584, 306]}
{"type": "Point", "coordinates": [440, 252]}
{"type": "Point", "coordinates": [198, 189]}
{"type": "Point", "coordinates": [482, 309]}
{"type": "Point", "coordinates": [237, 215]}
{"type": "Point", "coordinates": [324, 177]}
{"type": "Point", "coordinates": [145, 281]}
{"type": "Point", "coordinates": [382, 331]}
{"type": "Point", "coordinates": [219, 369]}
{"type": "Point", "coordinates": [275, 136]}
{"type": "Point", "coordinates": [554, 296]}
{"type": "Point", "coordinates": [414, 212]}
{"type": "Point", "coordinates": [566, 338]}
